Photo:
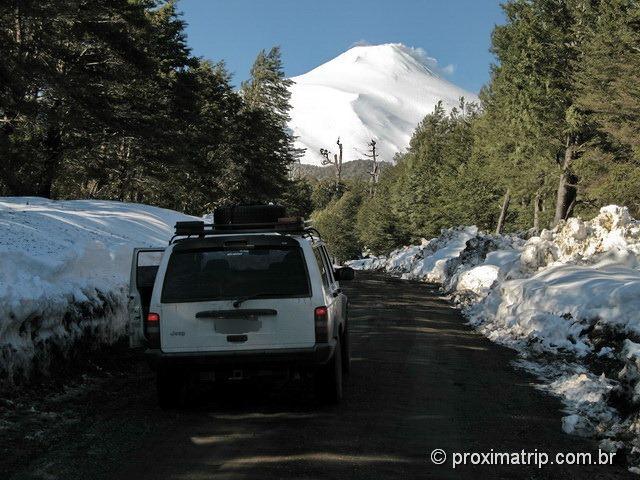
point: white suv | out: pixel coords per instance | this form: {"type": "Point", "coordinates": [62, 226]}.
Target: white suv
{"type": "Point", "coordinates": [227, 302]}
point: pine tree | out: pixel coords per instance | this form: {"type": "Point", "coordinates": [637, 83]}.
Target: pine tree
{"type": "Point", "coordinates": [608, 78]}
{"type": "Point", "coordinates": [77, 88]}
{"type": "Point", "coordinates": [608, 88]}
{"type": "Point", "coordinates": [268, 87]}
{"type": "Point", "coordinates": [267, 148]}
{"type": "Point", "coordinates": [377, 226]}
{"type": "Point", "coordinates": [529, 97]}
{"type": "Point", "coordinates": [337, 226]}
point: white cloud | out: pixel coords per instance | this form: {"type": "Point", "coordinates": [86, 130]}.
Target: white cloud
{"type": "Point", "coordinates": [431, 62]}
{"type": "Point", "coordinates": [360, 43]}
{"type": "Point", "coordinates": [449, 69]}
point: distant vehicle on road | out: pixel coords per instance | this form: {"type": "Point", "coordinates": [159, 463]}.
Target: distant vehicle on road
{"type": "Point", "coordinates": [252, 294]}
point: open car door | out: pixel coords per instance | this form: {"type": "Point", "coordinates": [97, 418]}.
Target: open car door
{"type": "Point", "coordinates": [144, 267]}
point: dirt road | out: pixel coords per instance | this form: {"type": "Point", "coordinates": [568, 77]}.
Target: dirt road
{"type": "Point", "coordinates": [420, 380]}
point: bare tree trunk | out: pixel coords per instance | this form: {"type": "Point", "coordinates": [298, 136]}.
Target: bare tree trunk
{"type": "Point", "coordinates": [17, 24]}
{"type": "Point", "coordinates": [375, 172]}
{"type": "Point", "coordinates": [53, 157]}
{"type": "Point", "coordinates": [567, 191]}
{"type": "Point", "coordinates": [125, 169]}
{"type": "Point", "coordinates": [537, 209]}
{"type": "Point", "coordinates": [8, 118]}
{"type": "Point", "coordinates": [570, 209]}
{"type": "Point", "coordinates": [503, 211]}
{"type": "Point", "coordinates": [338, 160]}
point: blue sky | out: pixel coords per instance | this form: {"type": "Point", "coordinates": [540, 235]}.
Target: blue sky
{"type": "Point", "coordinates": [310, 32]}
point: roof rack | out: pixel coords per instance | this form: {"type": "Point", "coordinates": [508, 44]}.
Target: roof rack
{"type": "Point", "coordinates": [283, 225]}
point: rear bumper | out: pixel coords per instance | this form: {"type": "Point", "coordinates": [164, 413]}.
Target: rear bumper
{"type": "Point", "coordinates": [311, 357]}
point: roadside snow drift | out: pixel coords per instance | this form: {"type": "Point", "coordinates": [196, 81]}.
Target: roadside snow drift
{"type": "Point", "coordinates": [568, 300]}
{"type": "Point", "coordinates": [377, 91]}
{"type": "Point", "coordinates": [64, 273]}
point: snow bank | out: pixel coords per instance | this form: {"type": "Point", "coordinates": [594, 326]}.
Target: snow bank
{"type": "Point", "coordinates": [568, 300]}
{"type": "Point", "coordinates": [427, 261]}
{"type": "Point", "coordinates": [64, 272]}
{"type": "Point", "coordinates": [449, 259]}
{"type": "Point", "coordinates": [557, 305]}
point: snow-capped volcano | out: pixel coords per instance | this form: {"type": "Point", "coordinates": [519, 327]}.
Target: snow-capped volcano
{"type": "Point", "coordinates": [380, 92]}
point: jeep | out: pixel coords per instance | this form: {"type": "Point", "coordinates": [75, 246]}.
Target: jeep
{"type": "Point", "coordinates": [253, 293]}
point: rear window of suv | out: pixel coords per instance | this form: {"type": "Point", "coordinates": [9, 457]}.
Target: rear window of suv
{"type": "Point", "coordinates": [224, 274]}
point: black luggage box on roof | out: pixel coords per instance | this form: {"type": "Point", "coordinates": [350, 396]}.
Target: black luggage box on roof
{"type": "Point", "coordinates": [248, 214]}
{"type": "Point", "coordinates": [194, 227]}
{"type": "Point", "coordinates": [244, 219]}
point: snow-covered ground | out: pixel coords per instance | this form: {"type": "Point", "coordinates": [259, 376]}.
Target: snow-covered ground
{"type": "Point", "coordinates": [567, 300]}
{"type": "Point", "coordinates": [378, 91]}
{"type": "Point", "coordinates": [64, 272]}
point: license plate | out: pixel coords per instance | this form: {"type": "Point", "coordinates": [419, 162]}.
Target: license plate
{"type": "Point", "coordinates": [207, 376]}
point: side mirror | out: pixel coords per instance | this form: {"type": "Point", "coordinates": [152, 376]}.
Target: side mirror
{"type": "Point", "coordinates": [344, 273]}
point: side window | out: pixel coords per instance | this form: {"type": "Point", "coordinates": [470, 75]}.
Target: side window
{"type": "Point", "coordinates": [147, 268]}
{"type": "Point", "coordinates": [322, 263]}
{"type": "Point", "coordinates": [147, 263]}
{"type": "Point", "coordinates": [329, 264]}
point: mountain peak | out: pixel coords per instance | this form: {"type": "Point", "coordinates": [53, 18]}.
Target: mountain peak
{"type": "Point", "coordinates": [387, 59]}
{"type": "Point", "coordinates": [389, 54]}
{"type": "Point", "coordinates": [370, 91]}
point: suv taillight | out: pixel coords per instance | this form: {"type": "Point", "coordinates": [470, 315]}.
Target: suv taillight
{"type": "Point", "coordinates": [321, 316]}
{"type": "Point", "coordinates": [152, 330]}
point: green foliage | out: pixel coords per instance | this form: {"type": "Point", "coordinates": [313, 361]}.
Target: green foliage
{"type": "Point", "coordinates": [268, 86]}
{"type": "Point", "coordinates": [268, 150]}
{"type": "Point", "coordinates": [609, 69]}
{"type": "Point", "coordinates": [337, 226]}
{"type": "Point", "coordinates": [67, 80]}
{"type": "Point", "coordinates": [525, 132]}
{"type": "Point", "coordinates": [104, 100]}
{"type": "Point", "coordinates": [439, 182]}
{"type": "Point", "coordinates": [324, 191]}
{"type": "Point", "coordinates": [436, 171]}
{"type": "Point", "coordinates": [356, 170]}
{"type": "Point", "coordinates": [561, 64]}
{"type": "Point", "coordinates": [296, 198]}
{"type": "Point", "coordinates": [608, 94]}
{"type": "Point", "coordinates": [377, 226]}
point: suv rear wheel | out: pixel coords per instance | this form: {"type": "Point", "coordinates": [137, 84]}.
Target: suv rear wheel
{"type": "Point", "coordinates": [171, 389]}
{"type": "Point", "coordinates": [328, 379]}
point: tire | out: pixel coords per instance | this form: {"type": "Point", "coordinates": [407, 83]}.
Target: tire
{"type": "Point", "coordinates": [170, 388]}
{"type": "Point", "coordinates": [328, 380]}
{"type": "Point", "coordinates": [346, 352]}
{"type": "Point", "coordinates": [243, 214]}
